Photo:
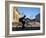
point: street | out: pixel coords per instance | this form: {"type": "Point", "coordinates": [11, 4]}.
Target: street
{"type": "Point", "coordinates": [29, 26]}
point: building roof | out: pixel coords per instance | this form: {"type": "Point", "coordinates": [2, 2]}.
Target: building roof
{"type": "Point", "coordinates": [17, 11]}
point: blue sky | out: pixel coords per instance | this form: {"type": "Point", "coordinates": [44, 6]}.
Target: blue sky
{"type": "Point", "coordinates": [29, 11]}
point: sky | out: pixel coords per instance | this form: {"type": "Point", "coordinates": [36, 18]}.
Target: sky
{"type": "Point", "coordinates": [30, 12]}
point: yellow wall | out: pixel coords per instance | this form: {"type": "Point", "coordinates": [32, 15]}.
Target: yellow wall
{"type": "Point", "coordinates": [16, 15]}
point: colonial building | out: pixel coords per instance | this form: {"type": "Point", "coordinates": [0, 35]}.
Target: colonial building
{"type": "Point", "coordinates": [16, 15]}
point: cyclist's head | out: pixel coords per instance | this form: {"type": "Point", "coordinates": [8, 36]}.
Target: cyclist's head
{"type": "Point", "coordinates": [24, 15]}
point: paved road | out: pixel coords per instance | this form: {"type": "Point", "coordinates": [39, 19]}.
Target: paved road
{"type": "Point", "coordinates": [31, 24]}
{"type": "Point", "coordinates": [26, 28]}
